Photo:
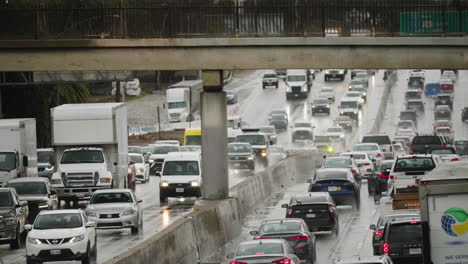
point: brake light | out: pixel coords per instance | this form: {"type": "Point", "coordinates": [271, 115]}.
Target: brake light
{"type": "Point", "coordinates": [353, 171]}
{"type": "Point", "coordinates": [449, 132]}
{"type": "Point", "coordinates": [444, 146]}
{"type": "Point", "coordinates": [378, 233]}
{"type": "Point", "coordinates": [437, 111]}
{"type": "Point", "coordinates": [301, 238]}
{"type": "Point", "coordinates": [237, 262]}
{"type": "Point", "coordinates": [379, 155]}
{"type": "Point", "coordinates": [392, 177]}
{"type": "Point", "coordinates": [413, 222]}
{"type": "Point", "coordinates": [411, 150]}
{"type": "Point", "coordinates": [330, 208]}
{"type": "Point", "coordinates": [455, 159]}
{"type": "Point", "coordinates": [289, 214]}
{"type": "Point", "coordinates": [366, 164]}
{"type": "Point", "coordinates": [386, 248]}
{"type": "Point", "coordinates": [381, 175]}
{"type": "Point", "coordinates": [282, 261]}
{"type": "Point", "coordinates": [411, 186]}
{"type": "Point", "coordinates": [391, 148]}
{"type": "Point", "coordinates": [418, 94]}
{"type": "Point", "coordinates": [406, 94]}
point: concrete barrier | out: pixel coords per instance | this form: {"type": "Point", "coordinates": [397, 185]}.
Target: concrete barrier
{"type": "Point", "coordinates": [392, 77]}
{"type": "Point", "coordinates": [213, 223]}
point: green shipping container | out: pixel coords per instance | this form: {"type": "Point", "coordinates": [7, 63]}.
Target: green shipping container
{"type": "Point", "coordinates": [431, 22]}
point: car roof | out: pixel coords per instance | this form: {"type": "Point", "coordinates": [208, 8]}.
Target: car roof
{"type": "Point", "coordinates": [377, 135]}
{"type": "Point", "coordinates": [283, 220]}
{"type": "Point", "coordinates": [312, 197]}
{"type": "Point", "coordinates": [261, 241]}
{"type": "Point", "coordinates": [239, 143]}
{"type": "Point", "coordinates": [63, 211]}
{"type": "Point", "coordinates": [5, 189]}
{"type": "Point", "coordinates": [182, 156]}
{"type": "Point", "coordinates": [338, 169]}
{"type": "Point", "coordinates": [368, 143]}
{"type": "Point", "coordinates": [29, 179]}
{"type": "Point", "coordinates": [112, 191]}
{"type": "Point", "coordinates": [137, 154]}
{"type": "Point", "coordinates": [405, 220]}
{"type": "Point", "coordinates": [163, 145]}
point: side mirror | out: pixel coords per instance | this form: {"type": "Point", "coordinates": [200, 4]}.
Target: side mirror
{"type": "Point", "coordinates": [372, 227]}
{"type": "Point", "coordinates": [139, 201]}
{"type": "Point", "coordinates": [90, 224]}
{"type": "Point", "coordinates": [253, 233]}
{"type": "Point", "coordinates": [271, 142]}
{"type": "Point", "coordinates": [25, 161]}
{"type": "Point", "coordinates": [23, 203]}
{"type": "Point", "coordinates": [284, 205]}
{"type": "Point", "coordinates": [28, 227]}
{"type": "Point", "coordinates": [309, 180]}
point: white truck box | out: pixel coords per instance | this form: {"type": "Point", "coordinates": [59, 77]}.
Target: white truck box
{"type": "Point", "coordinates": [18, 151]}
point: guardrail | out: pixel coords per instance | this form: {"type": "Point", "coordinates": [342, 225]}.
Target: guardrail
{"type": "Point", "coordinates": [121, 19]}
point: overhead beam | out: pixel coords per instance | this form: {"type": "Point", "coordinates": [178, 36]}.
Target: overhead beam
{"type": "Point", "coordinates": [234, 53]}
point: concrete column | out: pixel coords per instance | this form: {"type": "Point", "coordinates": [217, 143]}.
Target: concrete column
{"type": "Point", "coordinates": [215, 182]}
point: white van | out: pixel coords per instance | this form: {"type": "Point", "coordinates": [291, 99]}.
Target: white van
{"type": "Point", "coordinates": [180, 176]}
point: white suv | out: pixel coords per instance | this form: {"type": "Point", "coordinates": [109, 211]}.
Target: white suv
{"type": "Point", "coordinates": [61, 235]}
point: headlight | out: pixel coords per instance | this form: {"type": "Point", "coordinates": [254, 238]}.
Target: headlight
{"type": "Point", "coordinates": [330, 149]}
{"type": "Point", "coordinates": [264, 153]}
{"type": "Point", "coordinates": [141, 170]}
{"type": "Point", "coordinates": [49, 168]}
{"type": "Point", "coordinates": [129, 212]}
{"type": "Point", "coordinates": [251, 157]}
{"type": "Point", "coordinates": [55, 181]}
{"type": "Point", "coordinates": [43, 205]}
{"type": "Point", "coordinates": [304, 89]}
{"type": "Point", "coordinates": [76, 239]}
{"type": "Point", "coordinates": [34, 241]}
{"type": "Point", "coordinates": [341, 112]}
{"type": "Point", "coordinates": [107, 180]}
{"type": "Point", "coordinates": [364, 94]}
{"type": "Point", "coordinates": [341, 136]}
{"type": "Point", "coordinates": [313, 106]}
{"type": "Point", "coordinates": [164, 184]}
{"type": "Point", "coordinates": [195, 184]}
{"type": "Point", "coordinates": [288, 90]}
{"type": "Point", "coordinates": [328, 106]}
{"type": "Point", "coordinates": [355, 112]}
{"type": "Point", "coordinates": [91, 214]}
{"type": "Point", "coordinates": [151, 160]}
{"type": "Point", "coordinates": [129, 170]}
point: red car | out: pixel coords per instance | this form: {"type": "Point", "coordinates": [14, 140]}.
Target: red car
{"type": "Point", "coordinates": [131, 176]}
{"type": "Point", "coordinates": [446, 86]}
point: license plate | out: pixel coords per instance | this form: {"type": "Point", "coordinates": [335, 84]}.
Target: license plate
{"type": "Point", "coordinates": [55, 252]}
{"type": "Point", "coordinates": [237, 164]}
{"type": "Point", "coordinates": [320, 110]}
{"type": "Point", "coordinates": [414, 251]}
{"type": "Point", "coordinates": [179, 190]}
{"type": "Point", "coordinates": [310, 215]}
{"type": "Point", "coordinates": [334, 188]}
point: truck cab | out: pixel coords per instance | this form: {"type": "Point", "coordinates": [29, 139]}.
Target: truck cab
{"type": "Point", "coordinates": [180, 176]}
{"type": "Point", "coordinates": [298, 84]}
{"type": "Point", "coordinates": [183, 100]}
{"type": "Point", "coordinates": [349, 107]}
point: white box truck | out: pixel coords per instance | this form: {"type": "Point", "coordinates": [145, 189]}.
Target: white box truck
{"type": "Point", "coordinates": [18, 152]}
{"type": "Point", "coordinates": [90, 147]}
{"type": "Point", "coordinates": [183, 100]}
{"type": "Point", "coordinates": [443, 195]}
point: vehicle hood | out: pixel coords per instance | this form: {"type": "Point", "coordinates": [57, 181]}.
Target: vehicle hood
{"type": "Point", "coordinates": [176, 110]}
{"type": "Point", "coordinates": [34, 198]}
{"type": "Point", "coordinates": [43, 164]}
{"type": "Point", "coordinates": [302, 129]}
{"type": "Point", "coordinates": [291, 84]}
{"type": "Point", "coordinates": [81, 167]}
{"type": "Point", "coordinates": [157, 156]}
{"type": "Point", "coordinates": [348, 109]}
{"type": "Point", "coordinates": [56, 233]}
{"type": "Point", "coordinates": [325, 94]}
{"type": "Point", "coordinates": [109, 208]}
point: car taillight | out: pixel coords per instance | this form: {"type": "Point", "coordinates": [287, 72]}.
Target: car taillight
{"type": "Point", "coordinates": [289, 214]}
{"type": "Point", "coordinates": [379, 155]}
{"type": "Point", "coordinates": [449, 132]}
{"type": "Point", "coordinates": [437, 111]}
{"type": "Point", "coordinates": [391, 177]}
{"type": "Point", "coordinates": [301, 238]}
{"type": "Point", "coordinates": [330, 208]}
{"type": "Point", "coordinates": [455, 159]}
{"type": "Point", "coordinates": [406, 94]}
{"type": "Point", "coordinates": [381, 175]}
{"type": "Point", "coordinates": [378, 233]}
{"type": "Point", "coordinates": [411, 150]}
{"type": "Point", "coordinates": [366, 164]}
{"type": "Point", "coordinates": [353, 171]}
{"type": "Point", "coordinates": [444, 146]}
{"type": "Point", "coordinates": [282, 261]}
{"type": "Point", "coordinates": [386, 248]}
{"type": "Point", "coordinates": [414, 222]}
{"type": "Point", "coordinates": [391, 148]}
{"type": "Point", "coordinates": [237, 262]}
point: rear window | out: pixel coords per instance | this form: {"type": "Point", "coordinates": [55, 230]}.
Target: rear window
{"type": "Point", "coordinates": [401, 233]}
{"type": "Point", "coordinates": [365, 147]}
{"type": "Point", "coordinates": [414, 164]}
{"type": "Point", "coordinates": [426, 140]}
{"type": "Point", "coordinates": [337, 162]}
{"type": "Point", "coordinates": [384, 220]}
{"type": "Point", "coordinates": [281, 227]}
{"type": "Point", "coordinates": [381, 140]}
{"type": "Point", "coordinates": [259, 249]}
{"type": "Point", "coordinates": [443, 151]}
{"type": "Point", "coordinates": [326, 175]}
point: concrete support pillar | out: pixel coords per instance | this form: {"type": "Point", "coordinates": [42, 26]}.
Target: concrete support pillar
{"type": "Point", "coordinates": [215, 182]}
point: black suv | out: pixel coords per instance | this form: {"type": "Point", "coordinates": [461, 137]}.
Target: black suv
{"type": "Point", "coordinates": [421, 144]}
{"type": "Point", "coordinates": [13, 216]}
{"type": "Point", "coordinates": [403, 241]}
{"type": "Point", "coordinates": [294, 231]}
{"type": "Point", "coordinates": [317, 209]}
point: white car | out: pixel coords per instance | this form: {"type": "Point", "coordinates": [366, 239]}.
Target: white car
{"type": "Point", "coordinates": [406, 132]}
{"type": "Point", "coordinates": [373, 149]}
{"type": "Point", "coordinates": [167, 142]}
{"type": "Point", "coordinates": [357, 94]}
{"type": "Point", "coordinates": [399, 149]}
{"type": "Point", "coordinates": [406, 124]}
{"type": "Point", "coordinates": [327, 92]}
{"type": "Point", "coordinates": [61, 235]}
{"type": "Point", "coordinates": [142, 168]}
{"type": "Point", "coordinates": [446, 154]}
{"type": "Point", "coordinates": [445, 131]}
{"type": "Point", "coordinates": [115, 209]}
{"type": "Point", "coordinates": [449, 75]}
{"type": "Point", "coordinates": [363, 162]}
{"type": "Point", "coordinates": [190, 148]}
{"type": "Point", "coordinates": [335, 132]}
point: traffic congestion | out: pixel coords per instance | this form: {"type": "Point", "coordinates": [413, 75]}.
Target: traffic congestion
{"type": "Point", "coordinates": [360, 205]}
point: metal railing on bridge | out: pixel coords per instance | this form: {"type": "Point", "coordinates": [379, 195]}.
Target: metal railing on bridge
{"type": "Point", "coordinates": [123, 19]}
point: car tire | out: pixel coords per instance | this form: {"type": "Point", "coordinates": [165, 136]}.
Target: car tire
{"type": "Point", "coordinates": [16, 242]}
{"type": "Point", "coordinates": [369, 189]}
{"type": "Point", "coordinates": [162, 198]}
{"type": "Point", "coordinates": [88, 257]}
{"type": "Point", "coordinates": [135, 229]}
{"type": "Point", "coordinates": [29, 260]}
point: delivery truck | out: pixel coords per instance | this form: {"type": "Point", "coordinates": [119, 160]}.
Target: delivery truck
{"type": "Point", "coordinates": [18, 152]}
{"type": "Point", "coordinates": [90, 148]}
{"type": "Point", "coordinates": [443, 195]}
{"type": "Point", "coordinates": [183, 100]}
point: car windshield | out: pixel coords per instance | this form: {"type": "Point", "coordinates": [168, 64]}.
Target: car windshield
{"type": "Point", "coordinates": [386, 165]}
{"type": "Point", "coordinates": [136, 159]}
{"type": "Point", "coordinates": [118, 197]}
{"type": "Point", "coordinates": [269, 75]}
{"type": "Point", "coordinates": [322, 139]}
{"type": "Point", "coordinates": [23, 188]}
{"type": "Point", "coordinates": [415, 103]}
{"type": "Point", "coordinates": [239, 148]}
{"type": "Point", "coordinates": [357, 82]}
{"type": "Point", "coordinates": [326, 175]}
{"type": "Point", "coordinates": [147, 149]}
{"type": "Point", "coordinates": [252, 139]}
{"type": "Point", "coordinates": [165, 149]}
{"type": "Point", "coordinates": [345, 162]}
{"type": "Point", "coordinates": [173, 105]}
{"type": "Point", "coordinates": [397, 147]}
{"type": "Point", "coordinates": [259, 249]}
{"type": "Point", "coordinates": [320, 101]}
{"type": "Point", "coordinates": [354, 94]}
{"type": "Point", "coordinates": [282, 227]}
{"type": "Point", "coordinates": [426, 140]}
{"type": "Point", "coordinates": [461, 142]}
{"type": "Point", "coordinates": [296, 78]}
{"type": "Point", "coordinates": [7, 161]}
{"type": "Point", "coordinates": [181, 167]}
{"type": "Point", "coordinates": [365, 148]}
{"type": "Point", "coordinates": [5, 199]}
{"type": "Point", "coordinates": [278, 117]}
{"type": "Point", "coordinates": [415, 164]}
{"type": "Point", "coordinates": [348, 105]}
{"type": "Point", "coordinates": [302, 124]}
{"type": "Point", "coordinates": [405, 233]}
{"type": "Point", "coordinates": [381, 140]}
{"type": "Point", "coordinates": [383, 221]}
{"type": "Point", "coordinates": [44, 156]}
{"type": "Point", "coordinates": [403, 124]}
{"type": "Point", "coordinates": [268, 129]}
{"type": "Point", "coordinates": [442, 107]}
{"type": "Point", "coordinates": [277, 112]}
{"type": "Point", "coordinates": [358, 89]}
{"type": "Point", "coordinates": [193, 140]}
{"type": "Point", "coordinates": [58, 221]}
{"type": "Point", "coordinates": [134, 150]}
{"type": "Point", "coordinates": [444, 151]}
{"type": "Point", "coordinates": [82, 156]}
{"type": "Point", "coordinates": [335, 129]}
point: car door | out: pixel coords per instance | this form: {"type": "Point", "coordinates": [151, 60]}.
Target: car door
{"type": "Point", "coordinates": [21, 211]}
{"type": "Point", "coordinates": [90, 231]}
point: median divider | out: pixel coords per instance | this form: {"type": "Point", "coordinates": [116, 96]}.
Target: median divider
{"type": "Point", "coordinates": [214, 223]}
{"type": "Point", "coordinates": [392, 77]}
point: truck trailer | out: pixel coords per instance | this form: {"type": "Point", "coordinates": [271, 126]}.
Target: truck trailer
{"type": "Point", "coordinates": [443, 197]}
{"type": "Point", "coordinates": [90, 148]}
{"type": "Point", "coordinates": [183, 100]}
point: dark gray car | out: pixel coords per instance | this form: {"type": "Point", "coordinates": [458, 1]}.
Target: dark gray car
{"type": "Point", "coordinates": [264, 251]}
{"type": "Point", "coordinates": [13, 215]}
